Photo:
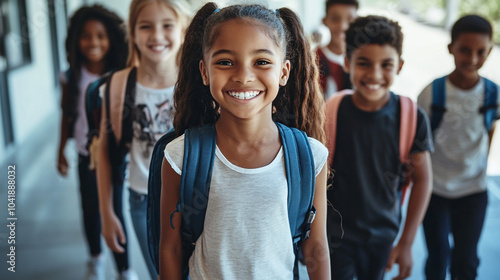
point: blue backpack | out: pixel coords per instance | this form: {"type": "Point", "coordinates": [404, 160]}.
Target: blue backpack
{"type": "Point", "coordinates": [438, 108]}
{"type": "Point", "coordinates": [199, 154]}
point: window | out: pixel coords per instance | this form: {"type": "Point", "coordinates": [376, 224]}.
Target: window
{"type": "Point", "coordinates": [16, 33]}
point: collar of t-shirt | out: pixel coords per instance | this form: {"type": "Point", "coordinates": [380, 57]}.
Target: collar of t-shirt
{"type": "Point", "coordinates": [333, 57]}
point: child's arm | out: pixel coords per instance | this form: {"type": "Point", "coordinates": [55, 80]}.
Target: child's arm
{"type": "Point", "coordinates": [417, 206]}
{"type": "Point", "coordinates": [111, 225]}
{"type": "Point", "coordinates": [62, 163]}
{"type": "Point", "coordinates": [490, 134]}
{"type": "Point", "coordinates": [170, 239]}
{"type": "Point", "coordinates": [315, 248]}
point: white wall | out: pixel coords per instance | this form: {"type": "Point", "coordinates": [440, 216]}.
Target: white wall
{"type": "Point", "coordinates": [31, 86]}
{"type": "Point", "coordinates": [72, 6]}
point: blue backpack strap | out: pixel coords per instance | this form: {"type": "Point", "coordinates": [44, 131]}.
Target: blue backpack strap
{"type": "Point", "coordinates": [438, 101]}
{"type": "Point", "coordinates": [490, 106]}
{"type": "Point", "coordinates": [199, 154]}
{"type": "Point", "coordinates": [154, 197]}
{"type": "Point", "coordinates": [301, 177]}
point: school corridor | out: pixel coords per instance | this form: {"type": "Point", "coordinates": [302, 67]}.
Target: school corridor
{"type": "Point", "coordinates": [45, 218]}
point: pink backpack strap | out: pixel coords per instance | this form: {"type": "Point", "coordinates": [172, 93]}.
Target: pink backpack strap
{"type": "Point", "coordinates": [331, 111]}
{"type": "Point", "coordinates": [407, 131]}
{"type": "Point", "coordinates": [117, 86]}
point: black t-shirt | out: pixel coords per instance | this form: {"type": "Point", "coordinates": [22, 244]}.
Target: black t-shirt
{"type": "Point", "coordinates": [368, 172]}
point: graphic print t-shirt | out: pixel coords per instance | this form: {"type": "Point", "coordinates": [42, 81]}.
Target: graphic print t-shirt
{"type": "Point", "coordinates": [153, 115]}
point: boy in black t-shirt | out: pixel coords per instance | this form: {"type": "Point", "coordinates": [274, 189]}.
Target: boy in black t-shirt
{"type": "Point", "coordinates": [367, 187]}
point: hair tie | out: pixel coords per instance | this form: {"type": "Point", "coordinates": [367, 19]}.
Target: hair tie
{"type": "Point", "coordinates": [215, 11]}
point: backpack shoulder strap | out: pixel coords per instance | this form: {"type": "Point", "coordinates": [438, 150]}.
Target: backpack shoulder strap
{"type": "Point", "coordinates": [407, 132]}
{"type": "Point", "coordinates": [128, 107]}
{"type": "Point", "coordinates": [407, 127]}
{"type": "Point", "coordinates": [121, 109]}
{"type": "Point", "coordinates": [199, 154]}
{"type": "Point", "coordinates": [117, 89]}
{"type": "Point", "coordinates": [154, 197]}
{"type": "Point", "coordinates": [300, 172]}
{"type": "Point", "coordinates": [490, 106]}
{"type": "Point", "coordinates": [331, 111]}
{"type": "Point", "coordinates": [438, 105]}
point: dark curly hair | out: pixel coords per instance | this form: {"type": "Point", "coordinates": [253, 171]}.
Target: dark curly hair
{"type": "Point", "coordinates": [373, 30]}
{"type": "Point", "coordinates": [299, 104]}
{"type": "Point", "coordinates": [115, 58]}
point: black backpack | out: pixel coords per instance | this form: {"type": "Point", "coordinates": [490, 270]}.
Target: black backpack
{"type": "Point", "coordinates": [93, 108]}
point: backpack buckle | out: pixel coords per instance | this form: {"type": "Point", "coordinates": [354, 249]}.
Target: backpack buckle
{"type": "Point", "coordinates": [312, 216]}
{"type": "Point", "coordinates": [307, 226]}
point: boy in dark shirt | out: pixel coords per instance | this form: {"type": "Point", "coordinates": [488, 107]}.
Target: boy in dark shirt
{"type": "Point", "coordinates": [367, 187]}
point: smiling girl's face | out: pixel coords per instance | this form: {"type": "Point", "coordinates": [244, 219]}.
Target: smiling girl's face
{"type": "Point", "coordinates": [244, 69]}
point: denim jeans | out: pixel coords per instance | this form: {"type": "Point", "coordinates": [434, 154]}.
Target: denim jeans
{"type": "Point", "coordinates": [138, 210]}
{"type": "Point", "coordinates": [463, 218]}
{"type": "Point", "coordinates": [363, 261]}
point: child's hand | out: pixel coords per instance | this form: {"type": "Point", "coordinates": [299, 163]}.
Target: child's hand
{"type": "Point", "coordinates": [113, 232]}
{"type": "Point", "coordinates": [401, 254]}
{"type": "Point", "coordinates": [62, 165]}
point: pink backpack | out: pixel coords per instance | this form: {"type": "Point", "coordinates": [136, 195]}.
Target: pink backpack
{"type": "Point", "coordinates": [407, 130]}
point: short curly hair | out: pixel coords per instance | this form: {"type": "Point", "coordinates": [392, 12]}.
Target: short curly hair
{"type": "Point", "coordinates": [373, 30]}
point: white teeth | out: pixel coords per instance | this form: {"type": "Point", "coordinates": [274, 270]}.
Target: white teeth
{"type": "Point", "coordinates": [244, 95]}
{"type": "Point", "coordinates": [158, 48]}
{"type": "Point", "coordinates": [373, 86]}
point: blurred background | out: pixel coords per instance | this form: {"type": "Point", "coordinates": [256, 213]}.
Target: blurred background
{"type": "Point", "coordinates": [49, 235]}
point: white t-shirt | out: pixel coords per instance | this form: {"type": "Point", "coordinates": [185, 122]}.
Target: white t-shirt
{"type": "Point", "coordinates": [460, 142]}
{"type": "Point", "coordinates": [155, 111]}
{"type": "Point", "coordinates": [331, 85]}
{"type": "Point", "coordinates": [246, 233]}
{"type": "Point", "coordinates": [81, 126]}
